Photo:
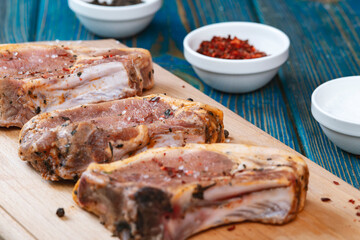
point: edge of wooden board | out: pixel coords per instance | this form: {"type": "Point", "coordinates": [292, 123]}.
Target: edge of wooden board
{"type": "Point", "coordinates": [31, 202]}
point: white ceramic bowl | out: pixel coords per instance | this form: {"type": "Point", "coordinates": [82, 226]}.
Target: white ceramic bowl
{"type": "Point", "coordinates": [336, 106]}
{"type": "Point", "coordinates": [115, 22]}
{"type": "Point", "coordinates": [238, 76]}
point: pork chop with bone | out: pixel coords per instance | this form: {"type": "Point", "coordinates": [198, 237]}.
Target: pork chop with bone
{"type": "Point", "coordinates": [61, 144]}
{"type": "Point", "coordinates": [173, 193]}
{"type": "Point", "coordinates": [38, 78]}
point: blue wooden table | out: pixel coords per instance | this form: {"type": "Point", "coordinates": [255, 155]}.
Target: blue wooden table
{"type": "Point", "coordinates": [325, 44]}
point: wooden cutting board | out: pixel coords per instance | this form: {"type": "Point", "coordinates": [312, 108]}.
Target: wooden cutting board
{"type": "Point", "coordinates": [28, 203]}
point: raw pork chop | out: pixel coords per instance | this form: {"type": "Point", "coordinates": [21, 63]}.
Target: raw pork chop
{"type": "Point", "coordinates": [172, 193]}
{"type": "Point", "coordinates": [40, 78]}
{"type": "Point", "coordinates": [62, 143]}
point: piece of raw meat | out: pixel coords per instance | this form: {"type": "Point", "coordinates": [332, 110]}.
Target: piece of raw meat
{"type": "Point", "coordinates": [37, 78]}
{"type": "Point", "coordinates": [61, 144]}
{"type": "Point", "coordinates": [172, 193]}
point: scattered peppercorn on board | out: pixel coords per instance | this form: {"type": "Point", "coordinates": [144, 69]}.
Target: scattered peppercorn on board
{"type": "Point", "coordinates": [29, 204]}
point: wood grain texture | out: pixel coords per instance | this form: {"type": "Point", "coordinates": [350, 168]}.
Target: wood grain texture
{"type": "Point", "coordinates": [10, 228]}
{"type": "Point", "coordinates": [32, 201]}
{"type": "Point", "coordinates": [265, 108]}
{"type": "Point", "coordinates": [329, 50]}
{"type": "Point", "coordinates": [18, 20]}
{"type": "Point", "coordinates": [57, 21]}
{"type": "Point", "coordinates": [325, 45]}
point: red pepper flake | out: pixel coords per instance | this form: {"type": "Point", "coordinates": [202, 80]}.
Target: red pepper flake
{"type": "Point", "coordinates": [231, 228]}
{"type": "Point", "coordinates": [80, 79]}
{"type": "Point", "coordinates": [352, 201]}
{"type": "Point", "coordinates": [357, 207]}
{"type": "Point", "coordinates": [228, 48]}
{"type": "Point", "coordinates": [183, 86]}
{"type": "Point", "coordinates": [325, 199]}
{"type": "Point", "coordinates": [358, 214]}
{"type": "Point", "coordinates": [66, 69]}
{"type": "Point", "coordinates": [336, 183]}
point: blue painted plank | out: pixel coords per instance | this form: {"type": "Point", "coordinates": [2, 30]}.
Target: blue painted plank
{"type": "Point", "coordinates": [325, 45]}
{"type": "Point", "coordinates": [164, 37]}
{"type": "Point", "coordinates": [18, 20]}
{"type": "Point", "coordinates": [265, 108]}
{"type": "Point", "coordinates": [57, 21]}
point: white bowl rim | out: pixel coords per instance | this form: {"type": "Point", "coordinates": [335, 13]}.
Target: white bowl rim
{"type": "Point", "coordinates": [330, 121]}
{"type": "Point", "coordinates": [114, 8]}
{"type": "Point", "coordinates": [136, 11]}
{"type": "Point", "coordinates": [187, 39]}
{"type": "Point", "coordinates": [234, 62]}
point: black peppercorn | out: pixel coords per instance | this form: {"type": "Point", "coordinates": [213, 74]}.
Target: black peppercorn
{"type": "Point", "coordinates": [226, 133]}
{"type": "Point", "coordinates": [37, 110]}
{"type": "Point", "coordinates": [60, 212]}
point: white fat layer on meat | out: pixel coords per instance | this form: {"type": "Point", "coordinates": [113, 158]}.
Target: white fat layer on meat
{"type": "Point", "coordinates": [271, 205]}
{"type": "Point", "coordinates": [226, 191]}
{"type": "Point", "coordinates": [102, 82]}
{"type": "Point", "coordinates": [176, 138]}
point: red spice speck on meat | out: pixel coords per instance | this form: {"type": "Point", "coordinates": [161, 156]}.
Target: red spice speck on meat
{"type": "Point", "coordinates": [325, 199]}
{"type": "Point", "coordinates": [228, 48]}
{"type": "Point", "coordinates": [358, 214]}
{"type": "Point", "coordinates": [357, 207]}
{"type": "Point", "coordinates": [231, 228]}
{"type": "Point", "coordinates": [336, 183]}
{"type": "Point", "coordinates": [352, 201]}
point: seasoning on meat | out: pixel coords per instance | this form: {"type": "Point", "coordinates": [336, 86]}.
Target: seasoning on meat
{"type": "Point", "coordinates": [231, 228]}
{"type": "Point", "coordinates": [62, 143]}
{"type": "Point", "coordinates": [173, 193]}
{"type": "Point", "coordinates": [41, 78]}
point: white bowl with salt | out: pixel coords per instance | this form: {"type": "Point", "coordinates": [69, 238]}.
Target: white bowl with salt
{"type": "Point", "coordinates": [336, 106]}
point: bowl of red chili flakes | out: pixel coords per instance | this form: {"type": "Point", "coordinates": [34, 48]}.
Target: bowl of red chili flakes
{"type": "Point", "coordinates": [236, 57]}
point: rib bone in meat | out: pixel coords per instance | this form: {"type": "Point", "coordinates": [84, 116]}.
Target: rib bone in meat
{"type": "Point", "coordinates": [172, 193]}
{"type": "Point", "coordinates": [37, 78]}
{"type": "Point", "coordinates": [62, 143]}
